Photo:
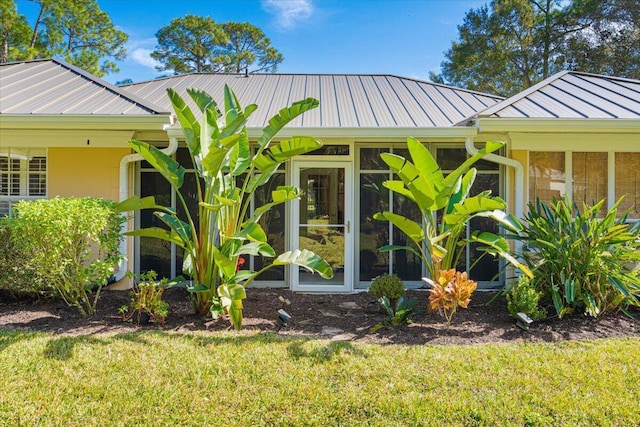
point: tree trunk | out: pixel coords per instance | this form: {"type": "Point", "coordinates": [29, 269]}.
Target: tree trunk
{"type": "Point", "coordinates": [35, 27]}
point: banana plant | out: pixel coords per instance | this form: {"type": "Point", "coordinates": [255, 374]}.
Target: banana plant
{"type": "Point", "coordinates": [228, 174]}
{"type": "Point", "coordinates": [446, 208]}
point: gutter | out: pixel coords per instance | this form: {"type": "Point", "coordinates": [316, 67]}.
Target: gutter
{"type": "Point", "coordinates": [124, 194]}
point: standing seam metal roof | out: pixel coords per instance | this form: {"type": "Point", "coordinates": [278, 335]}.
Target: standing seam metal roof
{"type": "Point", "coordinates": [573, 95]}
{"type": "Point", "coordinates": [53, 87]}
{"type": "Point", "coordinates": [346, 100]}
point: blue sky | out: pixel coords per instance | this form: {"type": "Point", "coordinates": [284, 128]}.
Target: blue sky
{"type": "Point", "coordinates": [401, 37]}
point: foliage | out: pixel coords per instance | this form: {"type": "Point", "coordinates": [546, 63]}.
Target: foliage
{"type": "Point", "coordinates": [523, 297]}
{"type": "Point", "coordinates": [398, 315]}
{"type": "Point", "coordinates": [509, 45]}
{"type": "Point", "coordinates": [451, 290]}
{"type": "Point", "coordinates": [582, 261]}
{"type": "Point", "coordinates": [18, 273]}
{"type": "Point", "coordinates": [439, 243]}
{"type": "Point", "coordinates": [74, 242]}
{"type": "Point", "coordinates": [387, 285]}
{"type": "Point", "coordinates": [146, 297]}
{"type": "Point", "coordinates": [224, 229]}
{"type": "Point", "coordinates": [76, 30]}
{"type": "Point", "coordinates": [248, 46]}
{"type": "Point", "coordinates": [195, 44]}
{"type": "Point", "coordinates": [51, 379]}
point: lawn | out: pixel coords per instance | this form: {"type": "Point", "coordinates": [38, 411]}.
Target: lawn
{"type": "Point", "coordinates": [160, 378]}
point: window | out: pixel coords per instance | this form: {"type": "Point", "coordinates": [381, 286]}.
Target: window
{"type": "Point", "coordinates": [375, 198]}
{"type": "Point", "coordinates": [546, 176]}
{"type": "Point", "coordinates": [23, 175]}
{"type": "Point", "coordinates": [627, 182]}
{"type": "Point", "coordinates": [589, 180]}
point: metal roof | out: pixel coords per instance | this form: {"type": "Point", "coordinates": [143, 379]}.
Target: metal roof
{"type": "Point", "coordinates": [54, 87]}
{"type": "Point", "coordinates": [573, 95]}
{"type": "Point", "coordinates": [346, 100]}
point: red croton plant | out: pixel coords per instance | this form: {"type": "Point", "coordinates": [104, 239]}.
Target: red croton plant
{"type": "Point", "coordinates": [452, 289]}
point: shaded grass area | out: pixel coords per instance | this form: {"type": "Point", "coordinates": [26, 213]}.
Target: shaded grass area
{"type": "Point", "coordinates": [156, 378]}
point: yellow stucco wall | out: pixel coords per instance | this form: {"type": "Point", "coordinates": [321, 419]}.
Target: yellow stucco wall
{"type": "Point", "coordinates": [82, 172]}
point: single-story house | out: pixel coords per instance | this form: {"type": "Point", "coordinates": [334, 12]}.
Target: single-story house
{"type": "Point", "coordinates": [64, 132]}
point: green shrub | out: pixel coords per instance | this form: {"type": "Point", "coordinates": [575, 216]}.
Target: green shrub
{"type": "Point", "coordinates": [582, 262]}
{"type": "Point", "coordinates": [73, 242]}
{"type": "Point", "coordinates": [523, 297]}
{"type": "Point", "coordinates": [146, 297]}
{"type": "Point", "coordinates": [387, 285]}
{"type": "Point", "coordinates": [18, 272]}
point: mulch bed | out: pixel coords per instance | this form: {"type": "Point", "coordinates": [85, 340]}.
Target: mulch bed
{"type": "Point", "coordinates": [331, 316]}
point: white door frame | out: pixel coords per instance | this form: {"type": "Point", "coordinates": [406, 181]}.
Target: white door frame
{"type": "Point", "coordinates": [322, 285]}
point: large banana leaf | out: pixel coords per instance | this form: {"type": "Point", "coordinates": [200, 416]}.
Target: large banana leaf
{"type": "Point", "coordinates": [135, 203]}
{"type": "Point", "coordinates": [497, 245]}
{"type": "Point", "coordinates": [165, 165]}
{"type": "Point", "coordinates": [284, 116]}
{"type": "Point", "coordinates": [158, 233]}
{"type": "Point", "coordinates": [307, 259]}
{"type": "Point", "coordinates": [423, 191]}
{"type": "Point", "coordinates": [188, 122]}
{"type": "Point", "coordinates": [283, 151]}
{"type": "Point", "coordinates": [412, 229]}
{"type": "Point", "coordinates": [231, 296]}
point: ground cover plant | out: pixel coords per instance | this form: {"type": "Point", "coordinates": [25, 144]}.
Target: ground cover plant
{"type": "Point", "coordinates": [225, 229]}
{"type": "Point", "coordinates": [156, 378]}
{"type": "Point", "coordinates": [583, 261]}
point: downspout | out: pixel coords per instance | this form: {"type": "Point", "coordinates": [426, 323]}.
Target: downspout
{"type": "Point", "coordinates": [516, 165]}
{"type": "Point", "coordinates": [518, 184]}
{"type": "Point", "coordinates": [124, 194]}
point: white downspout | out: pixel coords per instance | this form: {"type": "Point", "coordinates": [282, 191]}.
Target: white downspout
{"type": "Point", "coordinates": [518, 184]}
{"type": "Point", "coordinates": [124, 194]}
{"type": "Point", "coordinates": [519, 173]}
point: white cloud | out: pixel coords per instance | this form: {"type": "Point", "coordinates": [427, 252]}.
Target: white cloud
{"type": "Point", "coordinates": [143, 57]}
{"type": "Point", "coordinates": [289, 12]}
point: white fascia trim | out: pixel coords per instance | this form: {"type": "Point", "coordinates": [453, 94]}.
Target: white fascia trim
{"type": "Point", "coordinates": [101, 122]}
{"type": "Point", "coordinates": [361, 133]}
{"type": "Point", "coordinates": [497, 124]}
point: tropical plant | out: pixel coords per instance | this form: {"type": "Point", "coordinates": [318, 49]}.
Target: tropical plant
{"type": "Point", "coordinates": [146, 299]}
{"type": "Point", "coordinates": [451, 290]}
{"type": "Point", "coordinates": [401, 314]}
{"type": "Point", "coordinates": [523, 297]}
{"type": "Point", "coordinates": [582, 261]}
{"type": "Point", "coordinates": [224, 228]}
{"type": "Point", "coordinates": [446, 208]}
{"type": "Point", "coordinates": [387, 285]}
{"type": "Point", "coordinates": [74, 242]}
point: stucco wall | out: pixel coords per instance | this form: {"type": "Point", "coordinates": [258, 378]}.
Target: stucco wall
{"type": "Point", "coordinates": [84, 172]}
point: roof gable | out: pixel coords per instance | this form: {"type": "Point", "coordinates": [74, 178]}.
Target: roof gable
{"type": "Point", "coordinates": [573, 95]}
{"type": "Point", "coordinates": [54, 87]}
{"type": "Point", "coordinates": [346, 100]}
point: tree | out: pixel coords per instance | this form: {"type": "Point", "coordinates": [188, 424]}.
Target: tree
{"type": "Point", "coordinates": [189, 45]}
{"type": "Point", "coordinates": [247, 45]}
{"type": "Point", "coordinates": [510, 45]}
{"type": "Point", "coordinates": [15, 32]}
{"type": "Point", "coordinates": [195, 44]}
{"type": "Point", "coordinates": [76, 30]}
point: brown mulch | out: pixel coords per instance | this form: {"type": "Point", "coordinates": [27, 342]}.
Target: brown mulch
{"type": "Point", "coordinates": [331, 316]}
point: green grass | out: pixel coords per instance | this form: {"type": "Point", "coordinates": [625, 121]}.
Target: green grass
{"type": "Point", "coordinates": [247, 379]}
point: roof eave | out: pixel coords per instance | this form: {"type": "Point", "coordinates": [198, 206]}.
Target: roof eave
{"type": "Point", "coordinates": [105, 122]}
{"type": "Point", "coordinates": [557, 125]}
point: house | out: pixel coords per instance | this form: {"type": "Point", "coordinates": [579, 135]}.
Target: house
{"type": "Point", "coordinates": [64, 132]}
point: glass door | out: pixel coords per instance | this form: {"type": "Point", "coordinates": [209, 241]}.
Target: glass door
{"type": "Point", "coordinates": [322, 221]}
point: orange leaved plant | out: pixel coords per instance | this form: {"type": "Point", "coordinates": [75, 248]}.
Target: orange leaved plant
{"type": "Point", "coordinates": [452, 289]}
